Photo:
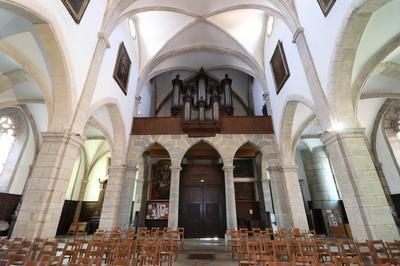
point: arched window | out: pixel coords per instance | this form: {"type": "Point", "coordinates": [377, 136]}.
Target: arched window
{"type": "Point", "coordinates": [14, 158]}
{"type": "Point", "coordinates": [7, 138]}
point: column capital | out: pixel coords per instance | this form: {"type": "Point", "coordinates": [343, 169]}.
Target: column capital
{"type": "Point", "coordinates": [75, 139]}
{"type": "Point", "coordinates": [282, 168]}
{"type": "Point", "coordinates": [132, 168]}
{"type": "Point", "coordinates": [228, 167]}
{"type": "Point", "coordinates": [117, 168]}
{"type": "Point", "coordinates": [299, 30]}
{"type": "Point", "coordinates": [330, 136]}
{"type": "Point", "coordinates": [102, 37]}
{"type": "Point", "coordinates": [175, 168]}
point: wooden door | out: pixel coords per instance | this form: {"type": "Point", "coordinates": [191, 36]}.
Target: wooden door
{"type": "Point", "coordinates": [202, 203]}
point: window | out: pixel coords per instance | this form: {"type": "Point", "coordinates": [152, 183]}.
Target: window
{"type": "Point", "coordinates": [7, 139]}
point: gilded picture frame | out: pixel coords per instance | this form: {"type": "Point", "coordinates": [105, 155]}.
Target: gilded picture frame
{"type": "Point", "coordinates": [122, 68]}
{"type": "Point", "coordinates": [326, 6]}
{"type": "Point", "coordinates": [76, 8]}
{"type": "Point", "coordinates": [279, 66]}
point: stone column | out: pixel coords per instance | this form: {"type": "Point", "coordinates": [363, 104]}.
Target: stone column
{"type": "Point", "coordinates": [267, 194]}
{"type": "Point", "coordinates": [112, 199]}
{"type": "Point", "coordinates": [362, 194]}
{"type": "Point", "coordinates": [82, 192]}
{"type": "Point", "coordinates": [125, 206]}
{"type": "Point", "coordinates": [287, 197]}
{"type": "Point", "coordinates": [174, 197]}
{"type": "Point", "coordinates": [320, 178]}
{"type": "Point", "coordinates": [230, 201]}
{"type": "Point", "coordinates": [47, 185]}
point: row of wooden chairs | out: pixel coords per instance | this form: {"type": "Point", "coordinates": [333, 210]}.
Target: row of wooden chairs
{"type": "Point", "coordinates": [117, 247]}
{"type": "Point", "coordinates": [319, 252]}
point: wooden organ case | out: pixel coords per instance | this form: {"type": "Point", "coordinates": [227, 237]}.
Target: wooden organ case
{"type": "Point", "coordinates": [201, 101]}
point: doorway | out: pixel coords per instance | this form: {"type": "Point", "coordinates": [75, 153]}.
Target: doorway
{"type": "Point", "coordinates": [202, 197]}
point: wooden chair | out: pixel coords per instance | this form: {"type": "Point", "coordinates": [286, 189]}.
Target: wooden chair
{"type": "Point", "coordinates": [121, 262]}
{"type": "Point", "coordinates": [166, 251]}
{"type": "Point", "coordinates": [265, 252]}
{"type": "Point", "coordinates": [17, 259]}
{"type": "Point", "coordinates": [281, 251]}
{"type": "Point", "coordinates": [348, 261]}
{"type": "Point", "coordinates": [81, 229]}
{"type": "Point", "coordinates": [365, 252]}
{"type": "Point", "coordinates": [72, 229]}
{"type": "Point", "coordinates": [71, 251]}
{"type": "Point", "coordinates": [348, 248]}
{"type": "Point", "coordinates": [148, 253]}
{"type": "Point", "coordinates": [280, 234]}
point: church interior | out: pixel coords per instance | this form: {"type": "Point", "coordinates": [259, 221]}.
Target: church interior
{"type": "Point", "coordinates": [214, 132]}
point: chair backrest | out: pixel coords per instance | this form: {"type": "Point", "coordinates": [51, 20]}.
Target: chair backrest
{"type": "Point", "coordinates": [82, 229]}
{"type": "Point", "coordinates": [281, 250]}
{"type": "Point", "coordinates": [72, 229]}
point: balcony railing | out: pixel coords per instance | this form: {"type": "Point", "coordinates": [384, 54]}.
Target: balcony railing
{"type": "Point", "coordinates": [226, 125]}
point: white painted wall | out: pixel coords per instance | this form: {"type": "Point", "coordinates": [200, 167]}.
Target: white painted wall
{"type": "Point", "coordinates": [258, 98]}
{"type": "Point", "coordinates": [107, 89]}
{"type": "Point", "coordinates": [322, 32]}
{"type": "Point", "coordinates": [367, 111]}
{"type": "Point", "coordinates": [296, 87]}
{"type": "Point", "coordinates": [93, 187]}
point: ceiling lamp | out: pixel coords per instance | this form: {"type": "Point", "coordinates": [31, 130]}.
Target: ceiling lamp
{"type": "Point", "coordinates": [270, 25]}
{"type": "Point", "coordinates": [132, 28]}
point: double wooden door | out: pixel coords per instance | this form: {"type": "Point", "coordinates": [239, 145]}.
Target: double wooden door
{"type": "Point", "coordinates": [202, 201]}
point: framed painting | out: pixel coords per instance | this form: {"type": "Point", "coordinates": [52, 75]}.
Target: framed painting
{"type": "Point", "coordinates": [161, 180]}
{"type": "Point", "coordinates": [279, 66]}
{"type": "Point", "coordinates": [326, 6]}
{"type": "Point", "coordinates": [76, 8]}
{"type": "Point", "coordinates": [122, 68]}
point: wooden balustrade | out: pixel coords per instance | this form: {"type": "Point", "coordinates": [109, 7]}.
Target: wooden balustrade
{"type": "Point", "coordinates": [226, 125]}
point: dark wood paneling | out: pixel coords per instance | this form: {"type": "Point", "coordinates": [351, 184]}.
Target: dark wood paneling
{"type": "Point", "coordinates": [67, 216]}
{"type": "Point", "coordinates": [156, 126]}
{"type": "Point", "coordinates": [243, 212]}
{"type": "Point", "coordinates": [246, 125]}
{"type": "Point", "coordinates": [228, 125]}
{"type": "Point", "coordinates": [8, 204]}
{"type": "Point", "coordinates": [202, 204]}
{"type": "Point", "coordinates": [87, 211]}
{"type": "Point", "coordinates": [396, 202]}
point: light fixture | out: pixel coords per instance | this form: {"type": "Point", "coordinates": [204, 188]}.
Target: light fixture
{"type": "Point", "coordinates": [132, 29]}
{"type": "Point", "coordinates": [270, 25]}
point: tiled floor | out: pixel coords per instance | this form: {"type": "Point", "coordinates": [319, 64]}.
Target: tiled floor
{"type": "Point", "coordinates": [195, 246]}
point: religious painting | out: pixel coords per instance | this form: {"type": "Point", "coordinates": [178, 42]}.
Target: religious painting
{"type": "Point", "coordinates": [76, 8]}
{"type": "Point", "coordinates": [279, 66]}
{"type": "Point", "coordinates": [161, 180]}
{"type": "Point", "coordinates": [245, 191]}
{"type": "Point", "coordinates": [326, 6]}
{"type": "Point", "coordinates": [157, 210]}
{"type": "Point", "coordinates": [122, 68]}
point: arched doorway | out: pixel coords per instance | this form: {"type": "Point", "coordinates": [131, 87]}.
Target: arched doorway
{"type": "Point", "coordinates": [250, 207]}
{"type": "Point", "coordinates": [202, 193]}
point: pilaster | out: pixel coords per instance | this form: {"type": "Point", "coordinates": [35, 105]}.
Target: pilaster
{"type": "Point", "coordinates": [230, 201]}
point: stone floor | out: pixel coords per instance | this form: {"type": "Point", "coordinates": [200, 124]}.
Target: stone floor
{"type": "Point", "coordinates": [196, 246]}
